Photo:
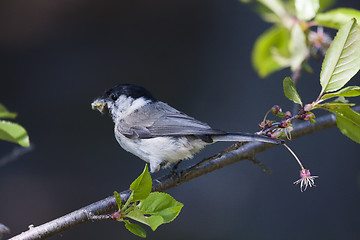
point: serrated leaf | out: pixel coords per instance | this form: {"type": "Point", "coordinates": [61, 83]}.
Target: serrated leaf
{"type": "Point", "coordinates": [142, 185]}
{"type": "Point", "coordinates": [152, 221]}
{"type": "Point", "coordinates": [13, 132]}
{"type": "Point", "coordinates": [4, 113]}
{"type": "Point", "coordinates": [306, 9]}
{"type": "Point", "coordinates": [298, 49]}
{"type": "Point", "coordinates": [135, 229]}
{"type": "Point", "coordinates": [342, 60]}
{"type": "Point", "coordinates": [351, 91]}
{"type": "Point", "coordinates": [290, 91]}
{"type": "Point", "coordinates": [347, 120]}
{"type": "Point", "coordinates": [337, 17]}
{"type": "Point", "coordinates": [274, 42]}
{"type": "Point", "coordinates": [118, 199]}
{"type": "Point", "coordinates": [161, 204]}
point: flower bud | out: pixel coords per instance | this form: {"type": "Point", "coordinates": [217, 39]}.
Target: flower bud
{"type": "Point", "coordinates": [275, 109]}
{"type": "Point", "coordinates": [116, 215]}
{"type": "Point", "coordinates": [268, 123]}
{"type": "Point", "coordinates": [288, 114]}
{"type": "Point", "coordinates": [285, 124]}
{"type": "Point", "coordinates": [307, 107]}
{"type": "Point", "coordinates": [309, 116]}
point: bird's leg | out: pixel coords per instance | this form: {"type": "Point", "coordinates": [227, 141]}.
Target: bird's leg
{"type": "Point", "coordinates": [174, 171]}
{"type": "Point", "coordinates": [175, 167]}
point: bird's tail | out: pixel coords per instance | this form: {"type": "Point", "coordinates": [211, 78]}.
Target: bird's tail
{"type": "Point", "coordinates": [245, 137]}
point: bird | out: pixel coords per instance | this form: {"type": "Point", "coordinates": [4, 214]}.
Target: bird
{"type": "Point", "coordinates": [158, 133]}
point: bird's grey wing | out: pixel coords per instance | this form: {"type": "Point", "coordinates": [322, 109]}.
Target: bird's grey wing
{"type": "Point", "coordinates": [180, 124]}
{"type": "Point", "coordinates": [133, 132]}
{"type": "Point", "coordinates": [162, 120]}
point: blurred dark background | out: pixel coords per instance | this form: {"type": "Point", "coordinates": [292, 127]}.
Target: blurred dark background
{"type": "Point", "coordinates": [57, 56]}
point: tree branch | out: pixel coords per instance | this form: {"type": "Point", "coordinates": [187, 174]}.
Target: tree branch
{"type": "Point", "coordinates": [108, 205]}
{"type": "Point", "coordinates": [15, 154]}
{"type": "Point", "coordinates": [3, 230]}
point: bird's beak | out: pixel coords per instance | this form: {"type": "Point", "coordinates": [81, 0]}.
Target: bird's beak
{"type": "Point", "coordinates": [98, 104]}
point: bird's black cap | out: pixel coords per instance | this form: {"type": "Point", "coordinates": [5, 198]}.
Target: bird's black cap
{"type": "Point", "coordinates": [129, 90]}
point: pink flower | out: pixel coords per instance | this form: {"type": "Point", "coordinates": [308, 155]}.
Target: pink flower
{"type": "Point", "coordinates": [305, 179]}
{"type": "Point", "coordinates": [320, 40]}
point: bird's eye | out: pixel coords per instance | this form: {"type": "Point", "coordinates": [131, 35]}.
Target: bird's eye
{"type": "Point", "coordinates": [114, 96]}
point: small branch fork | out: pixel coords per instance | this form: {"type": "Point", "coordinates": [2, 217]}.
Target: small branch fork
{"type": "Point", "coordinates": [98, 210]}
{"type": "Point", "coordinates": [276, 129]}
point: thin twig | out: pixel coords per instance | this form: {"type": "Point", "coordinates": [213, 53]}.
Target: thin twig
{"type": "Point", "coordinates": [261, 165]}
{"type": "Point", "coordinates": [163, 183]}
{"type": "Point", "coordinates": [15, 154]}
{"type": "Point", "coordinates": [3, 230]}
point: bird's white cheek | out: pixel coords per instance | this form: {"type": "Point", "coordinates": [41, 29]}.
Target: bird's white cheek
{"type": "Point", "coordinates": [125, 106]}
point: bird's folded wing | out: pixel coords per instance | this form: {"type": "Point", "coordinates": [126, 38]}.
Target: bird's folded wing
{"type": "Point", "coordinates": [180, 124]}
{"type": "Point", "coordinates": [168, 125]}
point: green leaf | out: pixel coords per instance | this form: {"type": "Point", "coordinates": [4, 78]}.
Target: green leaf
{"type": "Point", "coordinates": [15, 133]}
{"type": "Point", "coordinates": [347, 120]}
{"type": "Point", "coordinates": [306, 9]}
{"type": "Point", "coordinates": [298, 49]}
{"type": "Point", "coordinates": [135, 229]}
{"type": "Point", "coordinates": [142, 185]}
{"type": "Point", "coordinates": [290, 91]}
{"type": "Point", "coordinates": [351, 91]}
{"type": "Point", "coordinates": [152, 221]}
{"type": "Point", "coordinates": [274, 42]}
{"type": "Point", "coordinates": [281, 114]}
{"type": "Point", "coordinates": [341, 99]}
{"type": "Point", "coordinates": [333, 105]}
{"type": "Point", "coordinates": [118, 199]}
{"type": "Point", "coordinates": [342, 60]}
{"type": "Point", "coordinates": [278, 8]}
{"type": "Point", "coordinates": [337, 17]}
{"type": "Point", "coordinates": [326, 4]}
{"type": "Point", "coordinates": [137, 215]}
{"type": "Point", "coordinates": [4, 113]}
{"type": "Point", "coordinates": [161, 204]}
{"type": "Point", "coordinates": [348, 123]}
{"type": "Point", "coordinates": [312, 121]}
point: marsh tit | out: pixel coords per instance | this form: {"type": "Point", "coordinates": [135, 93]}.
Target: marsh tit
{"type": "Point", "coordinates": [157, 133]}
